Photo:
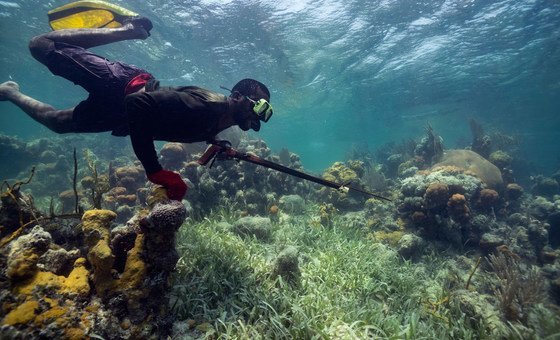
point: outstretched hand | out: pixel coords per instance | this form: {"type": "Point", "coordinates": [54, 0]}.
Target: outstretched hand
{"type": "Point", "coordinates": [171, 181]}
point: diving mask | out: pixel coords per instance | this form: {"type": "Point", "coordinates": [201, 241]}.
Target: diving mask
{"type": "Point", "coordinates": [262, 108]}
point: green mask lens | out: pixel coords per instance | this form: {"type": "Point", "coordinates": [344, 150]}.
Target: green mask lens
{"type": "Point", "coordinates": [262, 109]}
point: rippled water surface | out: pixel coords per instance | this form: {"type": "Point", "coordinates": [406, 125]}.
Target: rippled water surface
{"type": "Point", "coordinates": [341, 73]}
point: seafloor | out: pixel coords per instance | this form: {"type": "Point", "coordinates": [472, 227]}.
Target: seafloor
{"type": "Point", "coordinates": [467, 246]}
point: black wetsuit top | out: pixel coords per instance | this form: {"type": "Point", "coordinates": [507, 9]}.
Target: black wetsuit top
{"type": "Point", "coordinates": [181, 114]}
{"type": "Point", "coordinates": [176, 114]}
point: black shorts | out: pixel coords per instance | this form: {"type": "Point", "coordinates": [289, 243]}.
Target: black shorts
{"type": "Point", "coordinates": [105, 81]}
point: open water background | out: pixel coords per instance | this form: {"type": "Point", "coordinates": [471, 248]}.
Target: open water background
{"type": "Point", "coordinates": [342, 73]}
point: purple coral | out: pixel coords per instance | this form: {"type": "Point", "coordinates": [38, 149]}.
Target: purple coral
{"type": "Point", "coordinates": [167, 216]}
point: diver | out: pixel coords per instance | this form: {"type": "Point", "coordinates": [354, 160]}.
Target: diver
{"type": "Point", "coordinates": [127, 100]}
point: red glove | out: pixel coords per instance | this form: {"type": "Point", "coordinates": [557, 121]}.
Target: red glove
{"type": "Point", "coordinates": [172, 182]}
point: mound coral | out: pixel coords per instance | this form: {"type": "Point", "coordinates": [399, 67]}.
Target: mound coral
{"type": "Point", "coordinates": [410, 246]}
{"type": "Point", "coordinates": [130, 177]}
{"type": "Point", "coordinates": [286, 265]}
{"type": "Point", "coordinates": [501, 159]}
{"type": "Point", "coordinates": [273, 210]}
{"type": "Point", "coordinates": [514, 191]}
{"type": "Point", "coordinates": [456, 180]}
{"type": "Point", "coordinates": [473, 163]}
{"type": "Point", "coordinates": [458, 209]}
{"type": "Point", "coordinates": [545, 186]}
{"type": "Point", "coordinates": [122, 202]}
{"type": "Point", "coordinates": [293, 204]}
{"type": "Point", "coordinates": [357, 166]}
{"type": "Point", "coordinates": [436, 195]}
{"type": "Point", "coordinates": [391, 238]}
{"type": "Point", "coordinates": [250, 226]}
{"type": "Point", "coordinates": [58, 261]}
{"type": "Point", "coordinates": [168, 216]}
{"type": "Point", "coordinates": [173, 156]}
{"type": "Point", "coordinates": [119, 196]}
{"type": "Point", "coordinates": [340, 173]}
{"type": "Point", "coordinates": [488, 199]}
{"type": "Point", "coordinates": [419, 218]}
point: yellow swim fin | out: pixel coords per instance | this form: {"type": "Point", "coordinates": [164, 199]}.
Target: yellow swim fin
{"type": "Point", "coordinates": [88, 14]}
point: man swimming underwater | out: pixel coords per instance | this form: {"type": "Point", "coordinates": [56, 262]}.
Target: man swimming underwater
{"type": "Point", "coordinates": [127, 100]}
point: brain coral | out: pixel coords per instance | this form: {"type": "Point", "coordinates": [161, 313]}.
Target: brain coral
{"type": "Point", "coordinates": [474, 163]}
{"type": "Point", "coordinates": [457, 183]}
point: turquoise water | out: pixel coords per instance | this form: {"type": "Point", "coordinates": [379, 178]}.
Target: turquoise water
{"type": "Point", "coordinates": [341, 72]}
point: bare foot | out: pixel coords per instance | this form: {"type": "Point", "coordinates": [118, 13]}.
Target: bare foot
{"type": "Point", "coordinates": [7, 89]}
{"type": "Point", "coordinates": [137, 32]}
{"type": "Point", "coordinates": [140, 25]}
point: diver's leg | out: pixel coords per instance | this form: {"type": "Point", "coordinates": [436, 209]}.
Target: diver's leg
{"type": "Point", "coordinates": [59, 121]}
{"type": "Point", "coordinates": [136, 28]}
{"type": "Point", "coordinates": [76, 63]}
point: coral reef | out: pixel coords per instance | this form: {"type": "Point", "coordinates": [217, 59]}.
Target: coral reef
{"type": "Point", "coordinates": [249, 186]}
{"type": "Point", "coordinates": [41, 300]}
{"type": "Point", "coordinates": [126, 191]}
{"type": "Point", "coordinates": [458, 209]}
{"type": "Point", "coordinates": [455, 205]}
{"type": "Point", "coordinates": [436, 195]}
{"type": "Point", "coordinates": [355, 173]}
{"type": "Point", "coordinates": [501, 159]}
{"type": "Point", "coordinates": [109, 274]}
{"type": "Point", "coordinates": [516, 291]}
{"type": "Point", "coordinates": [53, 162]}
{"type": "Point", "coordinates": [545, 186]}
{"type": "Point", "coordinates": [129, 268]}
{"type": "Point", "coordinates": [16, 211]}
{"type": "Point", "coordinates": [15, 156]}
{"type": "Point", "coordinates": [481, 143]}
{"type": "Point", "coordinates": [472, 163]}
{"type": "Point", "coordinates": [430, 148]}
{"type": "Point", "coordinates": [130, 177]}
{"type": "Point", "coordinates": [172, 156]}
